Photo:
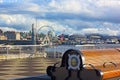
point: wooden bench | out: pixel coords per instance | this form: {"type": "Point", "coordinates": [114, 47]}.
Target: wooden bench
{"type": "Point", "coordinates": [107, 60]}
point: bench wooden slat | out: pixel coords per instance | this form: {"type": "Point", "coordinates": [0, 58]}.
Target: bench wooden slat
{"type": "Point", "coordinates": [98, 57]}
{"type": "Point", "coordinates": [111, 74]}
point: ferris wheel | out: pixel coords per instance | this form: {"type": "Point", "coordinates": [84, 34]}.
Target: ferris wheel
{"type": "Point", "coordinates": [47, 40]}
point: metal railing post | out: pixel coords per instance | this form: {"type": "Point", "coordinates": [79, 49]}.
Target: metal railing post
{"type": "Point", "coordinates": [7, 51]}
{"type": "Point", "coordinates": [54, 52]}
{"type": "Point", "coordinates": [20, 52]}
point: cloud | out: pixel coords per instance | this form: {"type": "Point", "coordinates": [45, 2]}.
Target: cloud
{"type": "Point", "coordinates": [110, 3]}
{"type": "Point", "coordinates": [57, 27]}
{"type": "Point", "coordinates": [1, 1]}
{"type": "Point", "coordinates": [8, 29]}
{"type": "Point", "coordinates": [68, 16]}
{"type": "Point", "coordinates": [66, 5]}
{"type": "Point", "coordinates": [76, 9]}
{"type": "Point", "coordinates": [20, 22]}
{"type": "Point", "coordinates": [106, 31]}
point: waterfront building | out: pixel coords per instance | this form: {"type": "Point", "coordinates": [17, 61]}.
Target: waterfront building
{"type": "Point", "coordinates": [12, 35]}
{"type": "Point", "coordinates": [1, 32]}
{"type": "Point", "coordinates": [2, 37]}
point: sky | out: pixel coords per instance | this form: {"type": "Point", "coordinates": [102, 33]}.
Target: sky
{"type": "Point", "coordinates": [64, 16]}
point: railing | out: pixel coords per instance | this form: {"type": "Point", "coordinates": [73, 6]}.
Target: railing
{"type": "Point", "coordinates": [23, 51]}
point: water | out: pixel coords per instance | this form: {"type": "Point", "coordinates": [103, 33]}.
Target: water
{"type": "Point", "coordinates": [60, 48]}
{"type": "Point", "coordinates": [63, 48]}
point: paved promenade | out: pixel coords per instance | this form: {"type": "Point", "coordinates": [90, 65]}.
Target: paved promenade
{"type": "Point", "coordinates": [18, 68]}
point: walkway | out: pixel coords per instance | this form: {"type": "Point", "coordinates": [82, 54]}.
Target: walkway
{"type": "Point", "coordinates": [17, 68]}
